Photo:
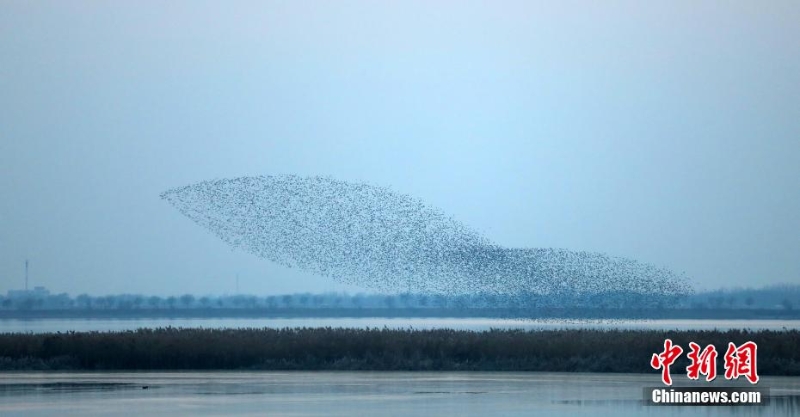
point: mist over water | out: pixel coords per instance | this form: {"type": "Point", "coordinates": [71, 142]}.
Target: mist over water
{"type": "Point", "coordinates": [381, 239]}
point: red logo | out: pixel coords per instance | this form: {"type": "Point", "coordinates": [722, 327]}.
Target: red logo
{"type": "Point", "coordinates": [665, 359]}
{"type": "Point", "coordinates": [739, 361]}
{"type": "Point", "coordinates": [702, 363]}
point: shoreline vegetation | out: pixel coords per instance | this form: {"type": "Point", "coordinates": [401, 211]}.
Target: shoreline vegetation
{"type": "Point", "coordinates": [400, 312]}
{"type": "Point", "coordinates": [624, 351]}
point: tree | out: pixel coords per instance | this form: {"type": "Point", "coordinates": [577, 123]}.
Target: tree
{"type": "Point", "coordinates": [84, 301]}
{"type": "Point", "coordinates": [287, 300]}
{"type": "Point", "coordinates": [716, 301]}
{"type": "Point", "coordinates": [318, 300]}
{"type": "Point", "coordinates": [304, 299]}
{"type": "Point", "coordinates": [187, 300]}
{"type": "Point", "coordinates": [154, 301]}
{"type": "Point", "coordinates": [423, 301]}
{"type": "Point", "coordinates": [110, 301]}
{"type": "Point", "coordinates": [405, 299]}
{"type": "Point", "coordinates": [357, 300]}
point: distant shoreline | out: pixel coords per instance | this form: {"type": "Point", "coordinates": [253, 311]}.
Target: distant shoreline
{"type": "Point", "coordinates": [545, 313]}
{"type": "Point", "coordinates": [623, 351]}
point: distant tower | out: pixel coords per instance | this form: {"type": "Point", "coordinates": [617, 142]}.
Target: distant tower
{"type": "Point", "coordinates": [26, 275]}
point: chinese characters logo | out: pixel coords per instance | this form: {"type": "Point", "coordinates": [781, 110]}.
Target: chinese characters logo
{"type": "Point", "coordinates": [739, 361]}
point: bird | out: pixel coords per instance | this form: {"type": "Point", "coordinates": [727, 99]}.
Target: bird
{"type": "Point", "coordinates": [375, 237]}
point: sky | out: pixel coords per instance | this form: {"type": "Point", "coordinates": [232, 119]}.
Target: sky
{"type": "Point", "coordinates": [666, 132]}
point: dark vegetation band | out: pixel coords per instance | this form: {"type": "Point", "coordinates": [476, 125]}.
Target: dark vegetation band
{"type": "Point", "coordinates": [379, 349]}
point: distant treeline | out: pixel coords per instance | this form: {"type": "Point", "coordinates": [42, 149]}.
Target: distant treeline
{"type": "Point", "coordinates": [384, 349]}
{"type": "Point", "coordinates": [241, 301]}
{"type": "Point", "coordinates": [782, 297]}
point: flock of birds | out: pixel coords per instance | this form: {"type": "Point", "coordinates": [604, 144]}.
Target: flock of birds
{"type": "Point", "coordinates": [376, 238]}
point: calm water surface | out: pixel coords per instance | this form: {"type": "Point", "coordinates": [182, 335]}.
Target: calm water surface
{"type": "Point", "coordinates": [358, 393]}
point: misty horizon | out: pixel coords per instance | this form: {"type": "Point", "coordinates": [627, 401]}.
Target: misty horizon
{"type": "Point", "coordinates": [663, 133]}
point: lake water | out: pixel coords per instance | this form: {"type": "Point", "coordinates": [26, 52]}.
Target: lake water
{"type": "Point", "coordinates": [64, 325]}
{"type": "Point", "coordinates": [359, 393]}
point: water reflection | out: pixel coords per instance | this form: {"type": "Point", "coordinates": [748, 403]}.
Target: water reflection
{"type": "Point", "coordinates": [358, 393]}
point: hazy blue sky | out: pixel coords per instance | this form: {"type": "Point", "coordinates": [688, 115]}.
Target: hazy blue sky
{"type": "Point", "coordinates": [668, 133]}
